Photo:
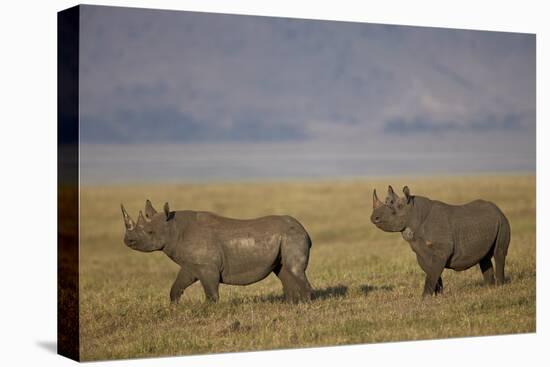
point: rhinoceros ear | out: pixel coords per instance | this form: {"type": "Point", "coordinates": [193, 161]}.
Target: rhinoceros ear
{"type": "Point", "coordinates": [167, 210]}
{"type": "Point", "coordinates": [407, 193]}
{"type": "Point", "coordinates": [149, 210]}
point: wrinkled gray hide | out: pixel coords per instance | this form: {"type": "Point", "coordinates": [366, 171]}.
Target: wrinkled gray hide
{"type": "Point", "coordinates": [213, 249]}
{"type": "Point", "coordinates": [446, 236]}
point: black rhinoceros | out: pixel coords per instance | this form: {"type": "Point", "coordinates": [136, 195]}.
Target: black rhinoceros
{"type": "Point", "coordinates": [446, 236]}
{"type": "Point", "coordinates": [215, 249]}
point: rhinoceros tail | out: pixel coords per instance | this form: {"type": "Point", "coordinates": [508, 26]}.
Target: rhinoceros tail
{"type": "Point", "coordinates": [308, 240]}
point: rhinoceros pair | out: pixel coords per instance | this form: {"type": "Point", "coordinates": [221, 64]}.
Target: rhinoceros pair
{"type": "Point", "coordinates": [214, 249]}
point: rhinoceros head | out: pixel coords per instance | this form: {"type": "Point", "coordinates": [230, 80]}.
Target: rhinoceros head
{"type": "Point", "coordinates": [150, 232]}
{"type": "Point", "coordinates": [393, 214]}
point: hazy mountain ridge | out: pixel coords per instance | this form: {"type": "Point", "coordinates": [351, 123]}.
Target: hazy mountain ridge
{"type": "Point", "coordinates": [179, 76]}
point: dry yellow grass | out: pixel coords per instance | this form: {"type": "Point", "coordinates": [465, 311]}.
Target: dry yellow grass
{"type": "Point", "coordinates": [367, 282]}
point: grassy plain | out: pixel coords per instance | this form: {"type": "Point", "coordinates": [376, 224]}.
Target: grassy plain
{"type": "Point", "coordinates": [367, 282]}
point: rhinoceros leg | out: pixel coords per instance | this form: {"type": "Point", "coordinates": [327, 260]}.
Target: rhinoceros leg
{"type": "Point", "coordinates": [486, 267]}
{"type": "Point", "coordinates": [210, 281]}
{"type": "Point", "coordinates": [439, 286]}
{"type": "Point", "coordinates": [295, 287]}
{"type": "Point", "coordinates": [294, 259]}
{"type": "Point", "coordinates": [183, 280]}
{"type": "Point", "coordinates": [500, 259]}
{"type": "Point", "coordinates": [433, 275]}
{"type": "Point", "coordinates": [291, 288]}
{"type": "Point", "coordinates": [306, 291]}
{"type": "Point", "coordinates": [501, 250]}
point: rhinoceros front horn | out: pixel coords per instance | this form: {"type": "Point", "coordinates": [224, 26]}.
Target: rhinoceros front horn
{"type": "Point", "coordinates": [376, 203]}
{"type": "Point", "coordinates": [141, 220]}
{"type": "Point", "coordinates": [128, 222]}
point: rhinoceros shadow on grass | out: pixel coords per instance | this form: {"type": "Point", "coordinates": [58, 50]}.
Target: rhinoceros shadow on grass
{"type": "Point", "coordinates": [447, 236]}
{"type": "Point", "coordinates": [366, 289]}
{"type": "Point", "coordinates": [338, 291]}
{"type": "Point", "coordinates": [214, 249]}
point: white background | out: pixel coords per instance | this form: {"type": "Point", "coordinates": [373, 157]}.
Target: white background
{"type": "Point", "coordinates": [28, 179]}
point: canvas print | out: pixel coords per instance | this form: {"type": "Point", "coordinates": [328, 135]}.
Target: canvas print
{"type": "Point", "coordinates": [240, 183]}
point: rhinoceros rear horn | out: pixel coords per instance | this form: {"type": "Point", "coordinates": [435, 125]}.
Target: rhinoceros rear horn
{"type": "Point", "coordinates": [149, 210]}
{"type": "Point", "coordinates": [392, 197]}
{"type": "Point", "coordinates": [128, 222]}
{"type": "Point", "coordinates": [375, 202]}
